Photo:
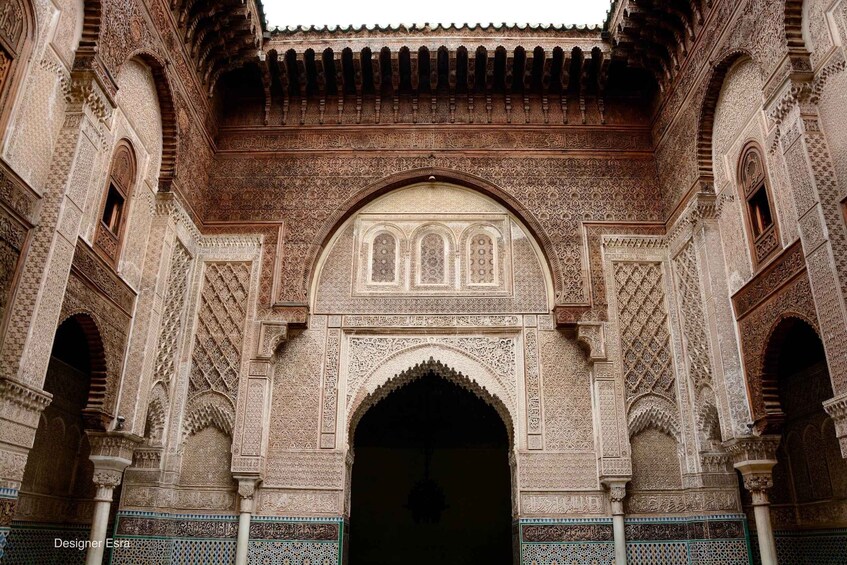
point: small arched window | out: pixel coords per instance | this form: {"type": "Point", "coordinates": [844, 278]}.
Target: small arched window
{"type": "Point", "coordinates": [110, 230]}
{"type": "Point", "coordinates": [16, 34]}
{"type": "Point", "coordinates": [482, 264]}
{"type": "Point", "coordinates": [761, 222]}
{"type": "Point", "coordinates": [384, 258]}
{"type": "Point", "coordinates": [432, 257]}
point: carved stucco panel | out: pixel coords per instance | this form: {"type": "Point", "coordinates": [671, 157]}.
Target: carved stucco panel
{"type": "Point", "coordinates": [729, 377]}
{"type": "Point", "coordinates": [566, 393]}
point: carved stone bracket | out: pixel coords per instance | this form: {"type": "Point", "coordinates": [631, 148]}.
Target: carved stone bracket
{"type": "Point", "coordinates": [755, 457]}
{"type": "Point", "coordinates": [796, 92]}
{"type": "Point", "coordinates": [296, 315]}
{"type": "Point", "coordinates": [703, 205]}
{"type": "Point", "coordinates": [271, 334]}
{"type": "Point", "coordinates": [567, 316]}
{"type": "Point", "coordinates": [83, 88]}
{"type": "Point", "coordinates": [111, 453]}
{"type": "Point", "coordinates": [592, 336]}
{"type": "Point", "coordinates": [837, 410]}
{"type": "Point", "coordinates": [146, 464]}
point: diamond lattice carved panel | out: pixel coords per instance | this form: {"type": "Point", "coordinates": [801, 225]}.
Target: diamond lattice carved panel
{"type": "Point", "coordinates": [647, 363]}
{"type": "Point", "coordinates": [220, 329]}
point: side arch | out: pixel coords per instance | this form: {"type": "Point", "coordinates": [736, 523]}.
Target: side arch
{"type": "Point", "coordinates": [299, 279]}
{"type": "Point", "coordinates": [208, 409]}
{"type": "Point", "coordinates": [708, 106]}
{"type": "Point", "coordinates": [96, 414]}
{"type": "Point", "coordinates": [170, 129]}
{"type": "Point", "coordinates": [770, 405]}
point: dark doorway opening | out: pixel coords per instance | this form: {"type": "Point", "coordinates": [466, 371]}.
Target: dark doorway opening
{"type": "Point", "coordinates": [431, 480]}
{"type": "Point", "coordinates": [810, 477]}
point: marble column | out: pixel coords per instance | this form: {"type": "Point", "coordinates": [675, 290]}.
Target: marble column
{"type": "Point", "coordinates": [105, 480]}
{"type": "Point", "coordinates": [755, 457]}
{"type": "Point", "coordinates": [111, 453]}
{"type": "Point", "coordinates": [246, 491]}
{"type": "Point", "coordinates": [759, 482]}
{"type": "Point", "coordinates": [617, 492]}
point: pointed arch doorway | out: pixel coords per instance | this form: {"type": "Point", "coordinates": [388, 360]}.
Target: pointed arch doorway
{"type": "Point", "coordinates": [431, 481]}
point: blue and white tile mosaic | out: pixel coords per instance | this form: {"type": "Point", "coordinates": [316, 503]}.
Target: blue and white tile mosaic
{"type": "Point", "coordinates": [36, 543]}
{"type": "Point", "coordinates": [705, 540]}
{"type": "Point", "coordinates": [817, 547]}
{"type": "Point", "coordinates": [186, 539]}
{"type": "Point", "coordinates": [8, 499]}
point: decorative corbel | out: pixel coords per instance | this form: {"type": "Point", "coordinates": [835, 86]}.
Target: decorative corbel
{"type": "Point", "coordinates": [837, 410]}
{"type": "Point", "coordinates": [592, 337]}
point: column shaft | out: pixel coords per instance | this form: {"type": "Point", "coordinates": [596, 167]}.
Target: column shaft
{"type": "Point", "coordinates": [764, 532]}
{"type": "Point", "coordinates": [102, 504]}
{"type": "Point", "coordinates": [620, 538]}
{"type": "Point", "coordinates": [243, 538]}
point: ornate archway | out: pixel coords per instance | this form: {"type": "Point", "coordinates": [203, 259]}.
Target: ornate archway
{"type": "Point", "coordinates": [432, 473]}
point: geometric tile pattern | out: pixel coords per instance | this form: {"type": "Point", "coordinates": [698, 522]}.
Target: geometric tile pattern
{"type": "Point", "coordinates": [657, 553]}
{"type": "Point", "coordinates": [719, 552]}
{"type": "Point", "coordinates": [189, 539]}
{"type": "Point", "coordinates": [147, 551]}
{"type": "Point", "coordinates": [593, 553]}
{"type": "Point", "coordinates": [701, 540]}
{"type": "Point", "coordinates": [293, 553]}
{"type": "Point", "coordinates": [200, 552]}
{"type": "Point", "coordinates": [33, 543]}
{"type": "Point", "coordinates": [822, 547]}
{"type": "Point", "coordinates": [8, 500]}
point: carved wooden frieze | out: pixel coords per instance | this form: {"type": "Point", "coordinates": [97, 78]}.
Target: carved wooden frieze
{"type": "Point", "coordinates": [88, 265]}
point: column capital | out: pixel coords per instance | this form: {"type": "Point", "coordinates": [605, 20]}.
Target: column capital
{"type": "Point", "coordinates": [616, 488]}
{"type": "Point", "coordinates": [837, 410]}
{"type": "Point", "coordinates": [247, 486]}
{"type": "Point", "coordinates": [106, 477]}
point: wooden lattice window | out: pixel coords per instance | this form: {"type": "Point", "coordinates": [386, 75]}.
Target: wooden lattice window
{"type": "Point", "coordinates": [113, 216]}
{"type": "Point", "coordinates": [482, 262]}
{"type": "Point", "coordinates": [433, 264]}
{"type": "Point", "coordinates": [384, 258]}
{"type": "Point", "coordinates": [760, 218]}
